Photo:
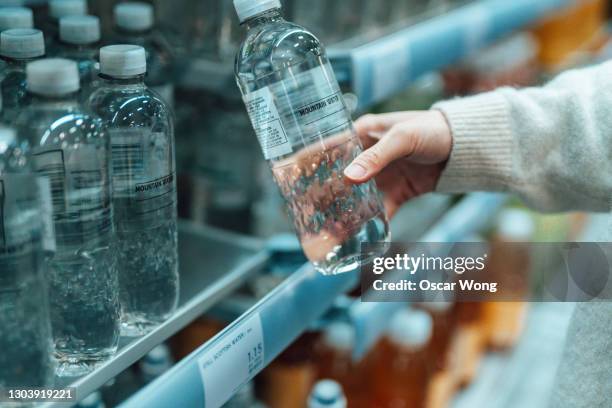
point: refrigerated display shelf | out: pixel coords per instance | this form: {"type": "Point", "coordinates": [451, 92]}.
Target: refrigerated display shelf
{"type": "Point", "coordinates": [212, 264]}
{"type": "Point", "coordinates": [214, 372]}
{"type": "Point", "coordinates": [377, 68]}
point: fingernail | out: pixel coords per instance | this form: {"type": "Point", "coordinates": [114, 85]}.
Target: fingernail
{"type": "Point", "coordinates": [355, 171]}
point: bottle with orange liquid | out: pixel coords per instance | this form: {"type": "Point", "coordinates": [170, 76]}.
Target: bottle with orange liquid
{"type": "Point", "coordinates": [401, 363]}
{"type": "Point", "coordinates": [441, 387]}
{"type": "Point", "coordinates": [509, 263]}
{"type": "Point", "coordinates": [334, 361]}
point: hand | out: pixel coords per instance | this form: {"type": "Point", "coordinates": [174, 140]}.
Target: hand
{"type": "Point", "coordinates": [405, 151]}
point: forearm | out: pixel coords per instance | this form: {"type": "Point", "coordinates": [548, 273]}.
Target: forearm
{"type": "Point", "coordinates": [552, 146]}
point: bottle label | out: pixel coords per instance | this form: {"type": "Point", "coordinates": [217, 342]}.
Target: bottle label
{"type": "Point", "coordinates": [232, 362]}
{"type": "Point", "coordinates": [20, 223]}
{"type": "Point", "coordinates": [143, 170]}
{"type": "Point", "coordinates": [46, 207]}
{"type": "Point", "coordinates": [80, 189]}
{"type": "Point", "coordinates": [303, 108]}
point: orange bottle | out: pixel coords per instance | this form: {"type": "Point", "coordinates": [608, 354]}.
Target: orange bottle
{"type": "Point", "coordinates": [467, 346]}
{"type": "Point", "coordinates": [509, 263]}
{"type": "Point", "coordinates": [335, 362]}
{"type": "Point", "coordinates": [401, 366]}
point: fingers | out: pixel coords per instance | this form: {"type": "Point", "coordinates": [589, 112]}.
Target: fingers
{"type": "Point", "coordinates": [400, 141]}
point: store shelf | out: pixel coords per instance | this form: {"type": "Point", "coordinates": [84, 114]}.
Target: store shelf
{"type": "Point", "coordinates": [471, 215]}
{"type": "Point", "coordinates": [274, 323]}
{"type": "Point", "coordinates": [212, 264]}
{"type": "Point", "coordinates": [379, 69]}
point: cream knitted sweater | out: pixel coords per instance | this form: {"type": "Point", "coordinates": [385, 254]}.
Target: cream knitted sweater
{"type": "Point", "coordinates": [552, 146]}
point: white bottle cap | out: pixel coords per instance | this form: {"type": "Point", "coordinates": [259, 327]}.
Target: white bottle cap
{"type": "Point", "coordinates": [123, 60]}
{"type": "Point", "coordinates": [134, 16]}
{"type": "Point", "coordinates": [7, 138]}
{"type": "Point", "coordinates": [52, 77]}
{"type": "Point", "coordinates": [339, 336]}
{"type": "Point", "coordinates": [327, 394]}
{"type": "Point", "coordinates": [156, 362]}
{"type": "Point", "coordinates": [64, 8]}
{"type": "Point", "coordinates": [16, 17]}
{"type": "Point", "coordinates": [22, 43]}
{"type": "Point", "coordinates": [516, 225]}
{"type": "Point", "coordinates": [410, 328]}
{"type": "Point", "coordinates": [249, 8]}
{"type": "Point", "coordinates": [80, 30]}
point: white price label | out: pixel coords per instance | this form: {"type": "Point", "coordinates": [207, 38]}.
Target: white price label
{"type": "Point", "coordinates": [232, 363]}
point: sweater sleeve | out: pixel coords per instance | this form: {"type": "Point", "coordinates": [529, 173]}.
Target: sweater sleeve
{"type": "Point", "coordinates": [552, 145]}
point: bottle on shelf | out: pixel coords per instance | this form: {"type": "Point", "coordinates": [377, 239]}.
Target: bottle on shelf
{"type": "Point", "coordinates": [70, 148]}
{"type": "Point", "coordinates": [59, 9]}
{"type": "Point", "coordinates": [135, 24]}
{"type": "Point", "coordinates": [141, 132]}
{"type": "Point", "coordinates": [306, 133]}
{"type": "Point", "coordinates": [18, 47]}
{"type": "Point", "coordinates": [79, 38]}
{"type": "Point", "coordinates": [16, 17]}
{"type": "Point", "coordinates": [25, 330]}
{"type": "Point", "coordinates": [508, 265]}
{"type": "Point", "coordinates": [401, 361]}
{"type": "Point", "coordinates": [155, 363]}
{"type": "Point", "coordinates": [327, 394]}
{"type": "Point", "coordinates": [334, 361]}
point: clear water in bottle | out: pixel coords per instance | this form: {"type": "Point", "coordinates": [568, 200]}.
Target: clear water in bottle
{"type": "Point", "coordinates": [306, 133]}
{"type": "Point", "coordinates": [71, 149]}
{"type": "Point", "coordinates": [25, 331]}
{"type": "Point", "coordinates": [18, 47]}
{"type": "Point", "coordinates": [144, 184]}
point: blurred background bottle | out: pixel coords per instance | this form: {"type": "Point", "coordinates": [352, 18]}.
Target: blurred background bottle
{"type": "Point", "coordinates": [18, 47]}
{"type": "Point", "coordinates": [57, 10]}
{"type": "Point", "coordinates": [16, 17]}
{"type": "Point", "coordinates": [327, 394]}
{"type": "Point", "coordinates": [71, 149]}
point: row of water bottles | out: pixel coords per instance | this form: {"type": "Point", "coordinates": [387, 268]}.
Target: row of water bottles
{"type": "Point", "coordinates": [88, 218]}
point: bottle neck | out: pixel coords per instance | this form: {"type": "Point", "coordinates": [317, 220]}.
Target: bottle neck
{"type": "Point", "coordinates": [131, 81]}
{"type": "Point", "coordinates": [70, 99]}
{"type": "Point", "coordinates": [266, 17]}
{"type": "Point", "coordinates": [18, 62]}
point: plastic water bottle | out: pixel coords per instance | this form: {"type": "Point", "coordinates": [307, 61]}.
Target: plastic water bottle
{"type": "Point", "coordinates": [144, 183]}
{"type": "Point", "coordinates": [79, 38]}
{"type": "Point", "coordinates": [155, 363]}
{"type": "Point", "coordinates": [135, 24]}
{"type": "Point", "coordinates": [72, 150]}
{"type": "Point", "coordinates": [93, 400]}
{"type": "Point", "coordinates": [327, 394]}
{"type": "Point", "coordinates": [307, 135]}
{"type": "Point", "coordinates": [16, 17]}
{"type": "Point", "coordinates": [18, 46]}
{"type": "Point", "coordinates": [57, 10]}
{"type": "Point", "coordinates": [25, 331]}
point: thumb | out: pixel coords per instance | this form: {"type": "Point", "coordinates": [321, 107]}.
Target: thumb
{"type": "Point", "coordinates": [399, 142]}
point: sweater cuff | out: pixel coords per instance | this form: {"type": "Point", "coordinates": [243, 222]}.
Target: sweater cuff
{"type": "Point", "coordinates": [481, 157]}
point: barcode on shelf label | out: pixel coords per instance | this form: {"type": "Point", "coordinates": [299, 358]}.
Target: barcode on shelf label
{"type": "Point", "coordinates": [233, 362]}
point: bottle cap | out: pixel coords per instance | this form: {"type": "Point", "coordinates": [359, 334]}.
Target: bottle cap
{"type": "Point", "coordinates": [22, 43]}
{"type": "Point", "coordinates": [134, 16]}
{"type": "Point", "coordinates": [516, 225]}
{"type": "Point", "coordinates": [64, 8]}
{"type": "Point", "coordinates": [123, 60]}
{"type": "Point", "coordinates": [249, 8]}
{"type": "Point", "coordinates": [339, 336]}
{"type": "Point", "coordinates": [410, 328]}
{"type": "Point", "coordinates": [7, 138]}
{"type": "Point", "coordinates": [52, 77]}
{"type": "Point", "coordinates": [16, 17]}
{"type": "Point", "coordinates": [327, 394]}
{"type": "Point", "coordinates": [156, 362]}
{"type": "Point", "coordinates": [80, 30]}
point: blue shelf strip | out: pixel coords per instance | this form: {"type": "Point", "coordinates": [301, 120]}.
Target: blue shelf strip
{"type": "Point", "coordinates": [384, 67]}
